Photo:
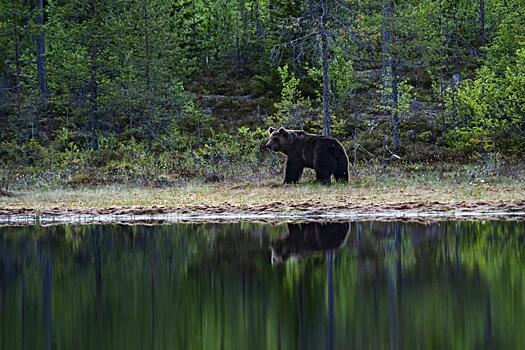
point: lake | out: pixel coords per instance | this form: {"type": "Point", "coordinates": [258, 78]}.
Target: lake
{"type": "Point", "coordinates": [362, 285]}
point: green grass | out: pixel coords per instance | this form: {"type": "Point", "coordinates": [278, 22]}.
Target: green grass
{"type": "Point", "coordinates": [367, 187]}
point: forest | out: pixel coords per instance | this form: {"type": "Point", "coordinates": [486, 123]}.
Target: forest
{"type": "Point", "coordinates": [126, 89]}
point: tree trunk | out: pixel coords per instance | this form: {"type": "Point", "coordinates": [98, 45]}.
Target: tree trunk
{"type": "Point", "coordinates": [482, 38]}
{"type": "Point", "coordinates": [40, 52]}
{"type": "Point", "coordinates": [326, 79]}
{"type": "Point", "coordinates": [93, 96]}
{"type": "Point", "coordinates": [389, 68]}
{"type": "Point", "coordinates": [395, 97]}
{"type": "Point", "coordinates": [385, 48]}
{"type": "Point", "coordinates": [147, 49]}
{"type": "Point", "coordinates": [238, 56]}
{"type": "Point", "coordinates": [257, 16]}
{"type": "Point", "coordinates": [18, 67]}
{"type": "Point", "coordinates": [148, 114]}
{"type": "Point", "coordinates": [244, 20]}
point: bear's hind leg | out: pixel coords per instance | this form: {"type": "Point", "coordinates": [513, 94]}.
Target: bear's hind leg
{"type": "Point", "coordinates": [324, 168]}
{"type": "Point", "coordinates": [341, 170]}
{"type": "Point", "coordinates": [323, 176]}
{"type": "Point", "coordinates": [341, 176]}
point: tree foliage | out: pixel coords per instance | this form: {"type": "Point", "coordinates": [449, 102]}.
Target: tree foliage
{"type": "Point", "coordinates": [141, 72]}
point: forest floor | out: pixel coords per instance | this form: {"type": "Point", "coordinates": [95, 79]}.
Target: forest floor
{"type": "Point", "coordinates": [396, 193]}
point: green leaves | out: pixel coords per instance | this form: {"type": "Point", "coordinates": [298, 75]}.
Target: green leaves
{"type": "Point", "coordinates": [289, 107]}
{"type": "Point", "coordinates": [494, 105]}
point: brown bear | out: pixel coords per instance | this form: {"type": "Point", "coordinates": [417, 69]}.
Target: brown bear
{"type": "Point", "coordinates": [323, 154]}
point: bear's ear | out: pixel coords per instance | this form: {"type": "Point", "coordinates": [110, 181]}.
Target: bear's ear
{"type": "Point", "coordinates": [283, 131]}
{"type": "Point", "coordinates": [291, 136]}
{"type": "Point", "coordinates": [271, 130]}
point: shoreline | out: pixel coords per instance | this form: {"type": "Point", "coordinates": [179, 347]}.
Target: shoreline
{"type": "Point", "coordinates": [276, 212]}
{"type": "Point", "coordinates": [392, 198]}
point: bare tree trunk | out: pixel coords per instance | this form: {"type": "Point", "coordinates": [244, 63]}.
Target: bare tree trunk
{"type": "Point", "coordinates": [326, 79]}
{"type": "Point", "coordinates": [370, 41]}
{"type": "Point", "coordinates": [93, 96]}
{"type": "Point", "coordinates": [482, 37]}
{"type": "Point", "coordinates": [395, 97]}
{"type": "Point", "coordinates": [257, 16]}
{"type": "Point", "coordinates": [238, 56]}
{"type": "Point", "coordinates": [441, 69]}
{"type": "Point", "coordinates": [147, 49]}
{"type": "Point", "coordinates": [147, 72]}
{"type": "Point", "coordinates": [240, 35]}
{"type": "Point", "coordinates": [389, 67]}
{"type": "Point", "coordinates": [40, 52]}
{"type": "Point", "coordinates": [18, 67]}
{"type": "Point", "coordinates": [244, 20]}
{"type": "Point", "coordinates": [385, 48]}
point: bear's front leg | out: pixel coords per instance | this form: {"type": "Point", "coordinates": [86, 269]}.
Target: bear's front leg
{"type": "Point", "coordinates": [293, 172]}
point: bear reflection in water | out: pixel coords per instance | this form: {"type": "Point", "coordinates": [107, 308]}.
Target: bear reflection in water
{"type": "Point", "coordinates": [308, 239]}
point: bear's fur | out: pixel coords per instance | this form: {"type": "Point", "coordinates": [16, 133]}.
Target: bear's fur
{"type": "Point", "coordinates": [323, 154]}
{"type": "Point", "coordinates": [309, 239]}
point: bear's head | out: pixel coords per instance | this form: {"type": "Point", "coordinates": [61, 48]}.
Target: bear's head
{"type": "Point", "coordinates": [280, 139]}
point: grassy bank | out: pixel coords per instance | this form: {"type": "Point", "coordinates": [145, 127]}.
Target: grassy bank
{"type": "Point", "coordinates": [409, 187]}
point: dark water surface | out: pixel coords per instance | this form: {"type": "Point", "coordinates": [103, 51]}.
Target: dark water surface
{"type": "Point", "coordinates": [368, 285]}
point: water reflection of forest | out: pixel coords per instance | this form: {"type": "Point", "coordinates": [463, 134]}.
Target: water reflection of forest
{"type": "Point", "coordinates": [367, 284]}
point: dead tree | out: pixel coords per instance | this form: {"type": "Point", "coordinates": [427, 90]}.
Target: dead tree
{"type": "Point", "coordinates": [40, 52]}
{"type": "Point", "coordinates": [390, 83]}
{"type": "Point", "coordinates": [325, 63]}
{"type": "Point", "coordinates": [18, 65]}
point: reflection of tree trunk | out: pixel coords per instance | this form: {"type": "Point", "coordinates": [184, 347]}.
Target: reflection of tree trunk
{"type": "Point", "coordinates": [153, 266]}
{"type": "Point", "coordinates": [456, 248]}
{"type": "Point", "coordinates": [222, 311]}
{"type": "Point", "coordinates": [358, 236]}
{"type": "Point", "coordinates": [278, 331]}
{"type": "Point", "coordinates": [47, 275]}
{"type": "Point", "coordinates": [3, 324]}
{"type": "Point", "coordinates": [330, 334]}
{"type": "Point", "coordinates": [23, 306]}
{"type": "Point", "coordinates": [300, 309]}
{"type": "Point", "coordinates": [394, 291]}
{"type": "Point", "coordinates": [40, 52]}
{"type": "Point", "coordinates": [98, 275]}
{"type": "Point", "coordinates": [489, 341]}
{"type": "Point", "coordinates": [446, 242]}
{"type": "Point", "coordinates": [326, 80]}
